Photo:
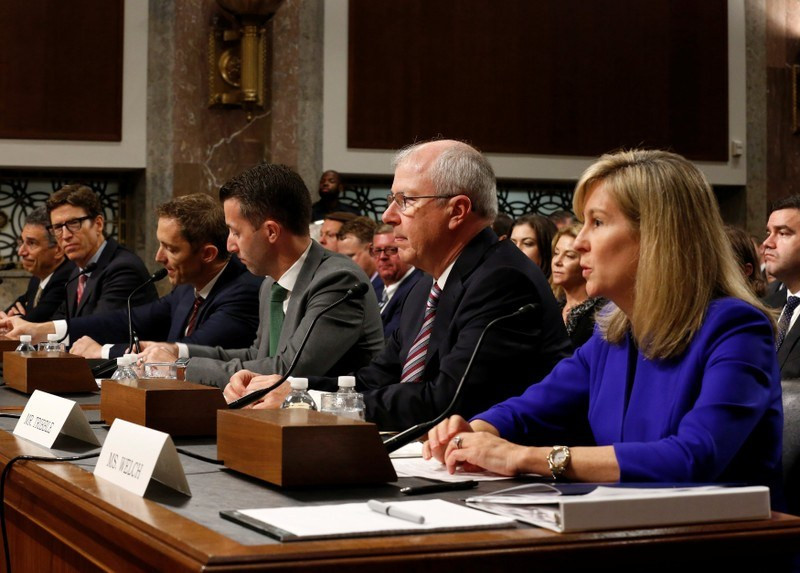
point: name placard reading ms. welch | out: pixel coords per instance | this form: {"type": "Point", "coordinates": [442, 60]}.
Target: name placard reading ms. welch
{"type": "Point", "coordinates": [132, 455]}
{"type": "Point", "coordinates": [47, 416]}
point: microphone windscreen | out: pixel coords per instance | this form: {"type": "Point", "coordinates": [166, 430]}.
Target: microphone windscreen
{"type": "Point", "coordinates": [89, 268]}
{"type": "Point", "coordinates": [527, 308]}
{"type": "Point", "coordinates": [158, 275]}
{"type": "Point", "coordinates": [357, 290]}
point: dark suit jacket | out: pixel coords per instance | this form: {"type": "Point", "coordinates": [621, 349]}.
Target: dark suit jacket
{"type": "Point", "coordinates": [490, 279]}
{"type": "Point", "coordinates": [229, 315]}
{"type": "Point", "coordinates": [789, 352]}
{"type": "Point", "coordinates": [118, 272]}
{"type": "Point", "coordinates": [52, 296]}
{"type": "Point", "coordinates": [390, 315]}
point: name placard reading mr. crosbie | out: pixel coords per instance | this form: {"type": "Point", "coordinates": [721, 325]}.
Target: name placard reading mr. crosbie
{"type": "Point", "coordinates": [132, 455]}
{"type": "Point", "coordinates": [47, 416]}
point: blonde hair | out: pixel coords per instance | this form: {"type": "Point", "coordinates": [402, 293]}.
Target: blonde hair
{"type": "Point", "coordinates": [685, 258]}
{"type": "Point", "coordinates": [571, 230]}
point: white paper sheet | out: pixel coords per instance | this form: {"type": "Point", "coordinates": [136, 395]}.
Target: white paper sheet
{"type": "Point", "coordinates": [432, 469]}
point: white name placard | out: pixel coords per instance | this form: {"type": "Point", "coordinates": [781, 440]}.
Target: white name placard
{"type": "Point", "coordinates": [47, 416]}
{"type": "Point", "coordinates": [132, 455]}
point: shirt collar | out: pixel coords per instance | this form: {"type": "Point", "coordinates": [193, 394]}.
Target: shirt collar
{"type": "Point", "coordinates": [289, 278]}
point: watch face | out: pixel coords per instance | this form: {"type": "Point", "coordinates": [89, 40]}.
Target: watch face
{"type": "Point", "coordinates": [559, 457]}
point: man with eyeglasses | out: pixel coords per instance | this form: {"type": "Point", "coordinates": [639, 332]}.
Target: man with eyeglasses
{"type": "Point", "coordinates": [42, 256]}
{"type": "Point", "coordinates": [398, 277]}
{"type": "Point", "coordinates": [442, 205]}
{"type": "Point", "coordinates": [77, 222]}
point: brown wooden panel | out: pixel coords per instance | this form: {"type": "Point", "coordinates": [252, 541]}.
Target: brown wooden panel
{"type": "Point", "coordinates": [61, 69]}
{"type": "Point", "coordinates": [562, 77]}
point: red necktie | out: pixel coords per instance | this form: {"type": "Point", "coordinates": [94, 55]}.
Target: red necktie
{"type": "Point", "coordinates": [81, 286]}
{"type": "Point", "coordinates": [198, 300]}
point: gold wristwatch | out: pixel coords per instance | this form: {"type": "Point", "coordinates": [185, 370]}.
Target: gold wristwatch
{"type": "Point", "coordinates": [558, 459]}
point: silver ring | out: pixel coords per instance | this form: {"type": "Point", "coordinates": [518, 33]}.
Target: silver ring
{"type": "Point", "coordinates": [457, 441]}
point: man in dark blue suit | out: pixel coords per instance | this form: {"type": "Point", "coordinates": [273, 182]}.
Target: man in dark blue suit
{"type": "Point", "coordinates": [215, 300]}
{"type": "Point", "coordinates": [398, 277]}
{"type": "Point", "coordinates": [354, 239]}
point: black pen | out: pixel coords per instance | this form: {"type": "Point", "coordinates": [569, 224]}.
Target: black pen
{"type": "Point", "coordinates": [437, 487]}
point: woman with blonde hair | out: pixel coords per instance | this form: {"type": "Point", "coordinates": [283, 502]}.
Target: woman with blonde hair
{"type": "Point", "coordinates": [680, 382]}
{"type": "Point", "coordinates": [569, 287]}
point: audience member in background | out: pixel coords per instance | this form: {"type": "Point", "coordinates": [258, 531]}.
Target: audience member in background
{"type": "Point", "coordinates": [331, 225]}
{"type": "Point", "coordinates": [747, 258]}
{"type": "Point", "coordinates": [680, 384]}
{"type": "Point", "coordinates": [502, 226]}
{"type": "Point", "coordinates": [398, 277]}
{"type": "Point", "coordinates": [77, 221]}
{"type": "Point", "coordinates": [215, 300]}
{"type": "Point", "coordinates": [562, 219]}
{"type": "Point", "coordinates": [569, 286]}
{"type": "Point", "coordinates": [442, 205]}
{"type": "Point", "coordinates": [533, 235]}
{"type": "Point", "coordinates": [354, 240]}
{"type": "Point", "coordinates": [43, 257]}
{"type": "Point", "coordinates": [330, 187]}
{"type": "Point", "coordinates": [782, 256]}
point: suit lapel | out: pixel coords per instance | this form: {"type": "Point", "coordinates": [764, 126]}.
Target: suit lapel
{"type": "Point", "coordinates": [316, 254]}
{"type": "Point", "coordinates": [95, 276]}
{"type": "Point", "coordinates": [183, 309]}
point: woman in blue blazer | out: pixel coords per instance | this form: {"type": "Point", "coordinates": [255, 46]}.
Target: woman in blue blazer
{"type": "Point", "coordinates": [679, 382]}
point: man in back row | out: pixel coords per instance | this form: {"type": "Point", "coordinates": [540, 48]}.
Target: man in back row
{"type": "Point", "coordinates": [43, 257]}
{"type": "Point", "coordinates": [442, 203]}
{"type": "Point", "coordinates": [215, 300]}
{"type": "Point", "coordinates": [267, 211]}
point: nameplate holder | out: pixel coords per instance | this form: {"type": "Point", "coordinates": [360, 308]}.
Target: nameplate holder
{"type": "Point", "coordinates": [7, 345]}
{"type": "Point", "coordinates": [54, 372]}
{"type": "Point", "coordinates": [46, 417]}
{"type": "Point", "coordinates": [132, 455]}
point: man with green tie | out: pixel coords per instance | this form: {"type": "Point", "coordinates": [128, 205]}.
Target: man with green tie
{"type": "Point", "coordinates": [267, 211]}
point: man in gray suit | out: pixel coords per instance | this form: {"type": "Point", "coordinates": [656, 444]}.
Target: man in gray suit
{"type": "Point", "coordinates": [267, 211]}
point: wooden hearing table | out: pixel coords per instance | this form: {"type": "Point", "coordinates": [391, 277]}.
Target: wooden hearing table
{"type": "Point", "coordinates": [60, 517]}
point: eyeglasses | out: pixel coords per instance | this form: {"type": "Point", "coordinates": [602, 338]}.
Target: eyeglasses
{"type": "Point", "coordinates": [404, 202]}
{"type": "Point", "coordinates": [74, 225]}
{"type": "Point", "coordinates": [388, 251]}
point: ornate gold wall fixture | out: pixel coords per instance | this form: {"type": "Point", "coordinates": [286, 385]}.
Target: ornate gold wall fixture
{"type": "Point", "coordinates": [237, 54]}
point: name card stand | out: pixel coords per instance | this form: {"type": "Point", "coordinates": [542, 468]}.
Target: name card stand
{"type": "Point", "coordinates": [7, 345]}
{"type": "Point", "coordinates": [133, 455]}
{"type": "Point", "coordinates": [175, 407]}
{"type": "Point", "coordinates": [54, 372]}
{"type": "Point", "coordinates": [47, 417]}
{"type": "Point", "coordinates": [296, 447]}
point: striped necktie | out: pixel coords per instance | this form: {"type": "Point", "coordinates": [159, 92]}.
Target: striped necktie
{"type": "Point", "coordinates": [415, 361]}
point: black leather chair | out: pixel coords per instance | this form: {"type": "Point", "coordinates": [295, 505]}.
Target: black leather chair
{"type": "Point", "coordinates": [791, 443]}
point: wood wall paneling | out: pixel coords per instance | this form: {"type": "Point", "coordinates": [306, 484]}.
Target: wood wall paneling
{"type": "Point", "coordinates": [561, 77]}
{"type": "Point", "coordinates": [61, 69]}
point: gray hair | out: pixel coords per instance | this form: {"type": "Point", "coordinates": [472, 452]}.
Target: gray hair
{"type": "Point", "coordinates": [40, 218]}
{"type": "Point", "coordinates": [460, 170]}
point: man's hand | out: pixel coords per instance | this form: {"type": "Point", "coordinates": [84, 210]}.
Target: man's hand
{"type": "Point", "coordinates": [86, 347]}
{"type": "Point", "coordinates": [17, 310]}
{"type": "Point", "coordinates": [244, 382]}
{"type": "Point", "coordinates": [158, 351]}
{"type": "Point", "coordinates": [13, 326]}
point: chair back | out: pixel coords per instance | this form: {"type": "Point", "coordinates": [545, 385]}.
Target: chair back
{"type": "Point", "coordinates": [791, 443]}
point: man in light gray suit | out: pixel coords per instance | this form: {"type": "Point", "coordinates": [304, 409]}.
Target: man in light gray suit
{"type": "Point", "coordinates": [267, 211]}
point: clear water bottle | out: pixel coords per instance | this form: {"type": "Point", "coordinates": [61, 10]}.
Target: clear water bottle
{"type": "Point", "coordinates": [349, 403]}
{"type": "Point", "coordinates": [53, 344]}
{"type": "Point", "coordinates": [124, 369]}
{"type": "Point", "coordinates": [299, 396]}
{"type": "Point", "coordinates": [25, 344]}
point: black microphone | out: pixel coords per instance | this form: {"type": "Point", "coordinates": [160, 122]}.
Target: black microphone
{"type": "Point", "coordinates": [399, 440]}
{"type": "Point", "coordinates": [356, 291]}
{"type": "Point", "coordinates": [155, 277]}
{"type": "Point", "coordinates": [89, 268]}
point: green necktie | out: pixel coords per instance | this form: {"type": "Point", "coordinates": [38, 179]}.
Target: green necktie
{"type": "Point", "coordinates": [277, 295]}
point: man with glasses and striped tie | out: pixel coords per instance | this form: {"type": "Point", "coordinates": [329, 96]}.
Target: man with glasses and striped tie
{"type": "Point", "coordinates": [442, 205]}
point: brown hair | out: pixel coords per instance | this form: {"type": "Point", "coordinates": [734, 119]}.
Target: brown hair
{"type": "Point", "coordinates": [76, 195]}
{"type": "Point", "coordinates": [201, 219]}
